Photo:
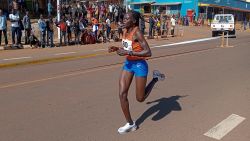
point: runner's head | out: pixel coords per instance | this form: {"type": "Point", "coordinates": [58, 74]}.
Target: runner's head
{"type": "Point", "coordinates": [131, 19]}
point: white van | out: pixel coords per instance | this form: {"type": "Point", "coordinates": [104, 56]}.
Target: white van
{"type": "Point", "coordinates": [223, 23]}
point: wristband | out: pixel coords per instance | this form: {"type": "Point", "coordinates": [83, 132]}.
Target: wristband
{"type": "Point", "coordinates": [130, 53]}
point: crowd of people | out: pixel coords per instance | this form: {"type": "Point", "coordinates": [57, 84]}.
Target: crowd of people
{"type": "Point", "coordinates": [80, 23]}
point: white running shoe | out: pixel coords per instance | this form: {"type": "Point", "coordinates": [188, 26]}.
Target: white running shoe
{"type": "Point", "coordinates": [127, 128]}
{"type": "Point", "coordinates": [159, 75]}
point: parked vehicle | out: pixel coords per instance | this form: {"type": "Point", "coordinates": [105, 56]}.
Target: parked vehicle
{"type": "Point", "coordinates": [223, 23]}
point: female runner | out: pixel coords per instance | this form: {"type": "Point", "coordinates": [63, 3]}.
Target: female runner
{"type": "Point", "coordinates": [136, 49]}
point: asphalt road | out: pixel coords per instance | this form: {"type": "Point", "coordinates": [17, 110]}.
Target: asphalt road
{"type": "Point", "coordinates": [77, 100]}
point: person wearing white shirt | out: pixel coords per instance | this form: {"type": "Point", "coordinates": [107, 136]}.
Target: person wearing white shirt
{"type": "Point", "coordinates": [69, 32]}
{"type": "Point", "coordinates": [111, 7]}
{"type": "Point", "coordinates": [3, 27]}
{"type": "Point", "coordinates": [15, 28]}
{"type": "Point", "coordinates": [108, 27]}
{"type": "Point", "coordinates": [173, 21]}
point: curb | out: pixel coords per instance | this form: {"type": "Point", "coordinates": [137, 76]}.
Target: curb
{"type": "Point", "coordinates": [9, 47]}
{"type": "Point", "coordinates": [48, 60]}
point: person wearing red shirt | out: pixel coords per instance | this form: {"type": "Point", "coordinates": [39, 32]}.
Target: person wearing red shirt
{"type": "Point", "coordinates": [63, 30]}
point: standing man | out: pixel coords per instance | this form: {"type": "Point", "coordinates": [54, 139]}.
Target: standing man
{"type": "Point", "coordinates": [111, 11]}
{"type": "Point", "coordinates": [108, 26]}
{"type": "Point", "coordinates": [3, 27]}
{"type": "Point", "coordinates": [50, 32]}
{"type": "Point", "coordinates": [157, 12]}
{"type": "Point", "coordinates": [151, 26]}
{"type": "Point", "coordinates": [42, 29]}
{"type": "Point", "coordinates": [172, 25]}
{"type": "Point", "coordinates": [76, 29]}
{"type": "Point", "coordinates": [142, 24]}
{"type": "Point", "coordinates": [27, 27]}
{"type": "Point", "coordinates": [15, 28]}
{"type": "Point", "coordinates": [245, 24]}
{"type": "Point", "coordinates": [194, 17]}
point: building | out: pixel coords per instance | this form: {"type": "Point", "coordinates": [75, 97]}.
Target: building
{"type": "Point", "coordinates": [204, 8]}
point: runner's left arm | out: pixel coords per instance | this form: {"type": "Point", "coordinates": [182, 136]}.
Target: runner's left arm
{"type": "Point", "coordinates": [146, 52]}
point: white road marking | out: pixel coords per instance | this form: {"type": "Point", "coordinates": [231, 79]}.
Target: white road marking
{"type": "Point", "coordinates": [186, 42]}
{"type": "Point", "coordinates": [159, 46]}
{"type": "Point", "coordinates": [17, 58]}
{"type": "Point", "coordinates": [224, 127]}
{"type": "Point", "coordinates": [64, 53]}
{"type": "Point", "coordinates": [99, 50]}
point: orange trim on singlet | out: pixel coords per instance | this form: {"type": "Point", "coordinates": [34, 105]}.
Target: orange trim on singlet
{"type": "Point", "coordinates": [136, 46]}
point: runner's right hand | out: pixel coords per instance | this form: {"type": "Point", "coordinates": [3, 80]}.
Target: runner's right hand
{"type": "Point", "coordinates": [112, 49]}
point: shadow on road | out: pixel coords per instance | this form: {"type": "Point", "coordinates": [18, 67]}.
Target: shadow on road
{"type": "Point", "coordinates": [163, 107]}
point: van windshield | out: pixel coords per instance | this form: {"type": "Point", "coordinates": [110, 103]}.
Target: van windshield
{"type": "Point", "coordinates": [222, 18]}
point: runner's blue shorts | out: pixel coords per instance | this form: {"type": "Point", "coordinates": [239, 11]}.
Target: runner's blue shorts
{"type": "Point", "coordinates": [138, 67]}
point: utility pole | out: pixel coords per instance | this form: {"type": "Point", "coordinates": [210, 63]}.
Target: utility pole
{"type": "Point", "coordinates": [58, 16]}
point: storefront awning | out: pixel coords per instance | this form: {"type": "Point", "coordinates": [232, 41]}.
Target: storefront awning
{"type": "Point", "coordinates": [167, 3]}
{"type": "Point", "coordinates": [237, 9]}
{"type": "Point", "coordinates": [223, 7]}
{"type": "Point", "coordinates": [145, 2]}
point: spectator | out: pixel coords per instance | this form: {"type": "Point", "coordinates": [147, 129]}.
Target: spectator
{"type": "Point", "coordinates": [50, 32]}
{"type": "Point", "coordinates": [69, 29]}
{"type": "Point", "coordinates": [116, 14]}
{"type": "Point", "coordinates": [194, 16]}
{"type": "Point", "coordinates": [102, 11]}
{"type": "Point", "coordinates": [111, 11]}
{"type": "Point", "coordinates": [168, 25]}
{"type": "Point", "coordinates": [76, 29]}
{"type": "Point", "coordinates": [249, 23]}
{"type": "Point", "coordinates": [50, 8]}
{"type": "Point", "coordinates": [163, 25]}
{"type": "Point", "coordinates": [173, 21]}
{"type": "Point", "coordinates": [142, 24]}
{"type": "Point", "coordinates": [14, 19]}
{"type": "Point", "coordinates": [37, 7]}
{"type": "Point", "coordinates": [27, 27]}
{"type": "Point", "coordinates": [245, 24]}
{"type": "Point", "coordinates": [158, 26]}
{"type": "Point", "coordinates": [81, 25]}
{"type": "Point", "coordinates": [42, 29]}
{"type": "Point", "coordinates": [157, 12]}
{"type": "Point", "coordinates": [21, 28]}
{"type": "Point", "coordinates": [3, 27]}
{"type": "Point", "coordinates": [151, 26]}
{"type": "Point", "coordinates": [120, 26]}
{"type": "Point", "coordinates": [63, 29]}
{"type": "Point", "coordinates": [95, 27]}
{"type": "Point", "coordinates": [103, 33]}
{"type": "Point", "coordinates": [33, 40]}
{"type": "Point", "coordinates": [108, 27]}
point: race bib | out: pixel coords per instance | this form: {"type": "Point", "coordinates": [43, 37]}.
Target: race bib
{"type": "Point", "coordinates": [127, 45]}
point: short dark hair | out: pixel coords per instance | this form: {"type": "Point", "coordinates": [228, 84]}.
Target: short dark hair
{"type": "Point", "coordinates": [137, 16]}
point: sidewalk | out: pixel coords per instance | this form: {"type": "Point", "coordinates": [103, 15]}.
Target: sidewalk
{"type": "Point", "coordinates": [48, 54]}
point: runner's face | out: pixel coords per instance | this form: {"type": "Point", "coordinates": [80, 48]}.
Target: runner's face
{"type": "Point", "coordinates": [128, 20]}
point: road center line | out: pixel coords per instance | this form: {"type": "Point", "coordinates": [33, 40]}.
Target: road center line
{"type": "Point", "coordinates": [224, 127]}
{"type": "Point", "coordinates": [186, 42]}
{"type": "Point", "coordinates": [62, 76]}
{"type": "Point", "coordinates": [99, 50]}
{"type": "Point", "coordinates": [64, 53]}
{"type": "Point", "coordinates": [17, 58]}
